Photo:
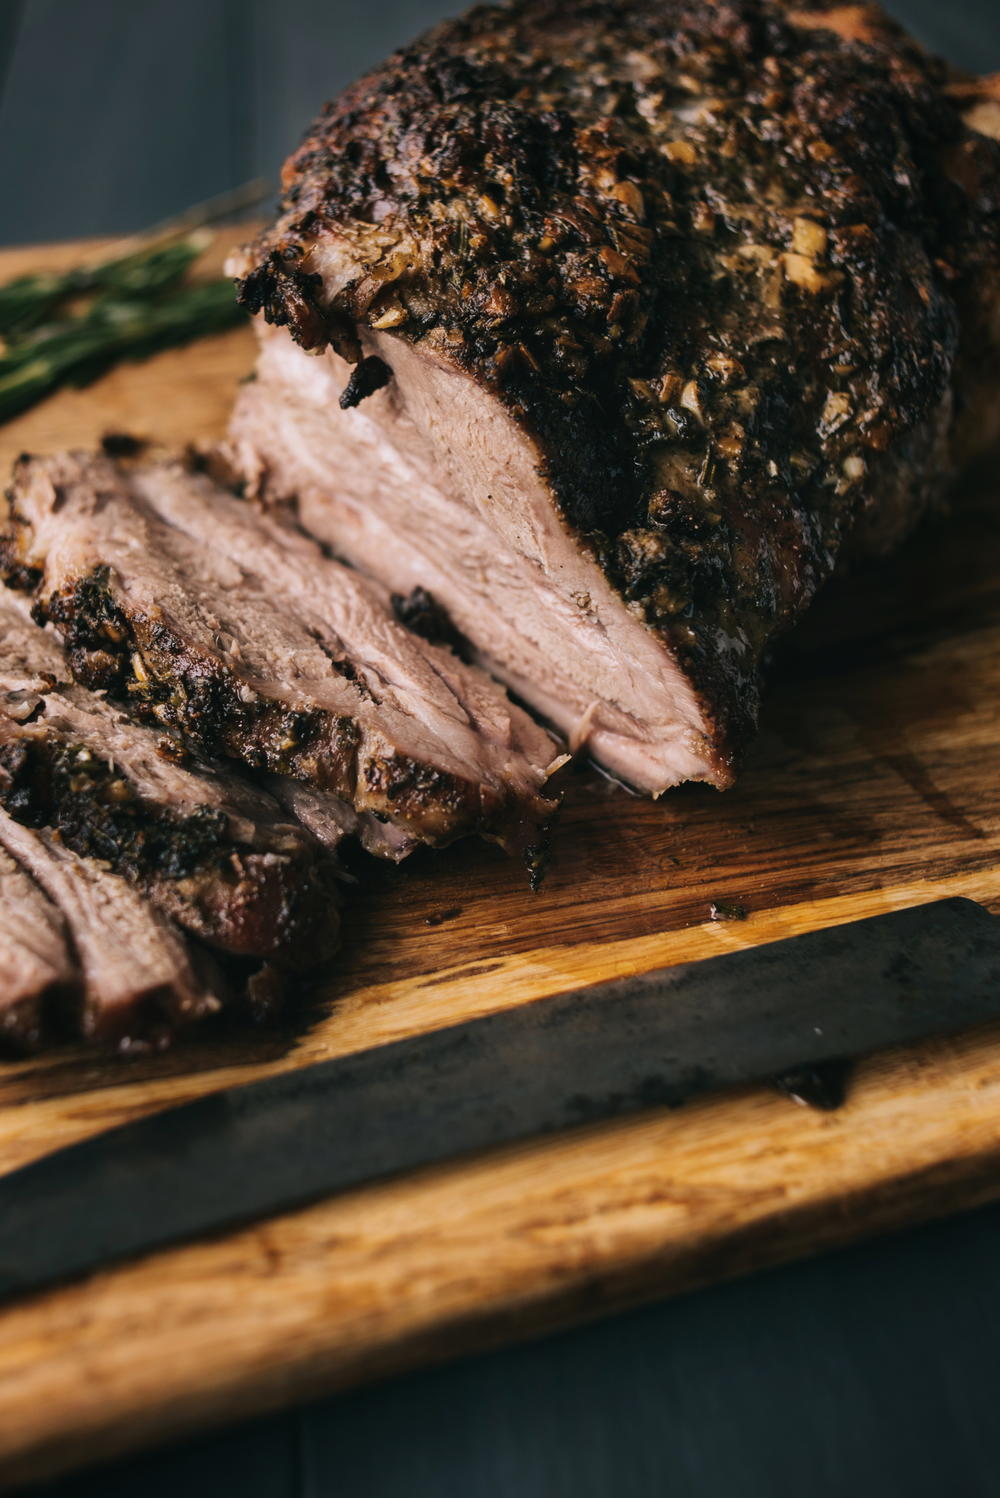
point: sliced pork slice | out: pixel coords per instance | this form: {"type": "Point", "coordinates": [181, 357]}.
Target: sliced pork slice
{"type": "Point", "coordinates": [237, 632]}
{"type": "Point", "coordinates": [139, 980]}
{"type": "Point", "coordinates": [331, 820]}
{"type": "Point", "coordinates": [36, 965]}
{"type": "Point", "coordinates": [209, 849]}
{"type": "Point", "coordinates": [627, 320]}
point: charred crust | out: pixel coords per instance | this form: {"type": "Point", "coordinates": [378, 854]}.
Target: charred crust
{"type": "Point", "coordinates": [212, 460]}
{"type": "Point", "coordinates": [94, 629]}
{"type": "Point", "coordinates": [421, 613]}
{"type": "Point", "coordinates": [46, 782]}
{"type": "Point", "coordinates": [715, 259]}
{"type": "Point", "coordinates": [369, 375]}
{"type": "Point", "coordinates": [17, 575]}
{"type": "Point", "coordinates": [123, 445]}
{"type": "Point", "coordinates": [244, 900]}
{"type": "Point", "coordinates": [537, 856]}
{"type": "Point", "coordinates": [403, 788]}
{"type": "Point", "coordinates": [16, 570]}
{"type": "Point", "coordinates": [286, 296]}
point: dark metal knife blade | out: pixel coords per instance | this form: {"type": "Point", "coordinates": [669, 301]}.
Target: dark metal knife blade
{"type": "Point", "coordinates": [595, 1053]}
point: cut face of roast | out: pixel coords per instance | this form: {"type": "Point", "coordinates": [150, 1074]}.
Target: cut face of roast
{"type": "Point", "coordinates": [138, 976]}
{"type": "Point", "coordinates": [210, 850]}
{"type": "Point", "coordinates": [36, 965]}
{"type": "Point", "coordinates": [429, 484]}
{"type": "Point", "coordinates": [236, 631]}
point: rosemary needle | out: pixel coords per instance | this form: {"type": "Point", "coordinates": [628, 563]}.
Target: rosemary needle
{"type": "Point", "coordinates": [115, 327]}
{"type": "Point", "coordinates": [30, 301]}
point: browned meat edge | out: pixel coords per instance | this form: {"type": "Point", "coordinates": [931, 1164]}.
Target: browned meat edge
{"type": "Point", "coordinates": [141, 981]}
{"type": "Point", "coordinates": [37, 971]}
{"type": "Point", "coordinates": [212, 852]}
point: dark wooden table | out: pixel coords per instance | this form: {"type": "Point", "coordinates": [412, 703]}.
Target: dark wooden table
{"type": "Point", "coordinates": [873, 1373]}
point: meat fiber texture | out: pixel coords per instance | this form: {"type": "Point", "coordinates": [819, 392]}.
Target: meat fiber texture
{"type": "Point", "coordinates": [209, 849]}
{"type": "Point", "coordinates": [628, 320]}
{"type": "Point", "coordinates": [36, 966]}
{"type": "Point", "coordinates": [135, 977]}
{"type": "Point", "coordinates": [237, 633]}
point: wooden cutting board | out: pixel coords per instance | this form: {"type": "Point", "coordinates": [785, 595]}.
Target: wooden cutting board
{"type": "Point", "coordinates": [875, 784]}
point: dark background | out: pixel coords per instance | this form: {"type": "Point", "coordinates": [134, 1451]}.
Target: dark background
{"type": "Point", "coordinates": [869, 1374]}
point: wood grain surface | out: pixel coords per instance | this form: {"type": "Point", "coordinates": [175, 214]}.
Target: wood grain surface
{"type": "Point", "coordinates": [875, 784]}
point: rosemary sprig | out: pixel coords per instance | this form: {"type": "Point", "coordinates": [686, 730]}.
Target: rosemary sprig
{"type": "Point", "coordinates": [123, 323]}
{"type": "Point", "coordinates": [70, 327]}
{"type": "Point", "coordinates": [31, 301]}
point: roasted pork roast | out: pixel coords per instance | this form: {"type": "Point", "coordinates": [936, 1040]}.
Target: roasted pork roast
{"type": "Point", "coordinates": [614, 325]}
{"type": "Point", "coordinates": [592, 339]}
